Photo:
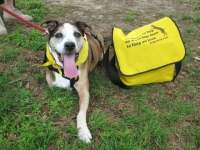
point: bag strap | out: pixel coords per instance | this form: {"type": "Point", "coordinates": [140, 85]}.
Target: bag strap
{"type": "Point", "coordinates": [177, 69]}
{"type": "Point", "coordinates": [111, 69]}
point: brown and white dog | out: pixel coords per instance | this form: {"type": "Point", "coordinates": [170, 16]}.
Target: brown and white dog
{"type": "Point", "coordinates": [66, 43]}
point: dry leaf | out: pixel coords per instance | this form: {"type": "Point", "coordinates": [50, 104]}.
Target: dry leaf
{"type": "Point", "coordinates": [45, 108]}
{"type": "Point", "coordinates": [96, 139]}
{"type": "Point", "coordinates": [2, 66]}
{"type": "Point", "coordinates": [169, 92]}
{"type": "Point", "coordinates": [123, 96]}
{"type": "Point", "coordinates": [93, 97]}
{"type": "Point", "coordinates": [65, 136]}
{"type": "Point", "coordinates": [197, 58]}
{"type": "Point", "coordinates": [121, 106]}
{"type": "Point", "coordinates": [71, 122]}
{"type": "Point", "coordinates": [11, 137]}
{"type": "Point", "coordinates": [157, 111]}
{"type": "Point", "coordinates": [44, 117]}
{"type": "Point", "coordinates": [20, 85]}
{"type": "Point", "coordinates": [61, 123]}
{"type": "Point", "coordinates": [27, 86]}
{"type": "Point", "coordinates": [31, 87]}
{"type": "Point", "coordinates": [105, 110]}
{"type": "Point", "coordinates": [72, 117]}
{"type": "Point", "coordinates": [146, 138]}
{"type": "Point", "coordinates": [177, 135]}
{"type": "Point", "coordinates": [185, 124]}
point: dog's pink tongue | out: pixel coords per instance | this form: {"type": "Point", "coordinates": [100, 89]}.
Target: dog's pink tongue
{"type": "Point", "coordinates": [70, 69]}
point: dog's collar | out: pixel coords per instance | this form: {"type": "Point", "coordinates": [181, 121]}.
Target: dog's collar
{"type": "Point", "coordinates": [52, 62]}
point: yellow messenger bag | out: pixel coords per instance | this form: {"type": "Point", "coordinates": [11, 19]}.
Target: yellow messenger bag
{"type": "Point", "coordinates": [150, 54]}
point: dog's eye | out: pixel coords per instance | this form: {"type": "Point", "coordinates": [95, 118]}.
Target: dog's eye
{"type": "Point", "coordinates": [58, 35]}
{"type": "Point", "coordinates": [76, 34]}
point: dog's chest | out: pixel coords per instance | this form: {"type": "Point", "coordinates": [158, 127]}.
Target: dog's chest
{"type": "Point", "coordinates": [61, 82]}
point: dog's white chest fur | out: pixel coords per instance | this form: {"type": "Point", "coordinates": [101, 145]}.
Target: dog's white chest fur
{"type": "Point", "coordinates": [61, 82]}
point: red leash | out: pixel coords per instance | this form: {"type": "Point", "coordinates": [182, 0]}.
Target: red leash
{"type": "Point", "coordinates": [24, 20]}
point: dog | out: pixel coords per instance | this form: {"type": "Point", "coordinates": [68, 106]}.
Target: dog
{"type": "Point", "coordinates": [68, 45]}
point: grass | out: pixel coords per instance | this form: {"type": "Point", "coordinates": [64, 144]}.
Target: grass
{"type": "Point", "coordinates": [8, 54]}
{"type": "Point", "coordinates": [186, 16]}
{"type": "Point", "coordinates": [34, 116]}
{"type": "Point", "coordinates": [161, 14]}
{"type": "Point", "coordinates": [190, 30]}
{"type": "Point", "coordinates": [36, 9]}
{"type": "Point", "coordinates": [130, 18]}
{"type": "Point", "coordinates": [196, 19]}
{"type": "Point", "coordinates": [33, 39]}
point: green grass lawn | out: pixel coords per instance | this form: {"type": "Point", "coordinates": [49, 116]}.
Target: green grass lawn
{"type": "Point", "coordinates": [145, 117]}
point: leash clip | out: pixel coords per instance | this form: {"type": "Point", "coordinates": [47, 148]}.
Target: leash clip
{"type": "Point", "coordinates": [45, 31]}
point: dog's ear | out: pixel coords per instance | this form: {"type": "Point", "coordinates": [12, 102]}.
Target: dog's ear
{"type": "Point", "coordinates": [51, 24]}
{"type": "Point", "coordinates": [82, 26]}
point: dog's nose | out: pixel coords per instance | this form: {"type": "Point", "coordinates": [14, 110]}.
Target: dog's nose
{"type": "Point", "coordinates": [69, 46]}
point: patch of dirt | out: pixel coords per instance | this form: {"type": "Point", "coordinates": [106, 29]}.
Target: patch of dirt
{"type": "Point", "coordinates": [1, 66]}
{"type": "Point", "coordinates": [104, 13]}
{"type": "Point", "coordinates": [31, 72]}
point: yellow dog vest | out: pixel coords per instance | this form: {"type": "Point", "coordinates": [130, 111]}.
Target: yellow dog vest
{"type": "Point", "coordinates": [149, 54]}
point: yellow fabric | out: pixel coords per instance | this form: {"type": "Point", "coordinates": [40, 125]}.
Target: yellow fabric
{"type": "Point", "coordinates": [141, 53]}
{"type": "Point", "coordinates": [160, 75]}
{"type": "Point", "coordinates": [51, 60]}
{"type": "Point", "coordinates": [83, 54]}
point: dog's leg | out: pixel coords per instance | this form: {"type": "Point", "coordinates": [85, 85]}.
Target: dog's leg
{"type": "Point", "coordinates": [49, 77]}
{"type": "Point", "coordinates": [82, 87]}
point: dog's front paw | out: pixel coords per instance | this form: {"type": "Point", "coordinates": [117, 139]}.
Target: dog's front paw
{"type": "Point", "coordinates": [84, 134]}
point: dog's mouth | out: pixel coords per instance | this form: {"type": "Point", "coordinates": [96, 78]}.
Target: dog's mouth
{"type": "Point", "coordinates": [61, 57]}
{"type": "Point", "coordinates": [69, 64]}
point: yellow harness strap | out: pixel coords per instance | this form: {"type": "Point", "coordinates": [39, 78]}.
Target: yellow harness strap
{"type": "Point", "coordinates": [83, 52]}
{"type": "Point", "coordinates": [51, 60]}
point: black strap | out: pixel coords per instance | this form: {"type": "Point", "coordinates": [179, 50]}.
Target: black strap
{"type": "Point", "coordinates": [177, 69]}
{"type": "Point", "coordinates": [178, 64]}
{"type": "Point", "coordinates": [72, 82]}
{"type": "Point", "coordinates": [111, 69]}
{"type": "Point", "coordinates": [96, 37]}
{"type": "Point", "coordinates": [92, 54]}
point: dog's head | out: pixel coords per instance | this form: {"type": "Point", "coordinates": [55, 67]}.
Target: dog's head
{"type": "Point", "coordinates": [66, 39]}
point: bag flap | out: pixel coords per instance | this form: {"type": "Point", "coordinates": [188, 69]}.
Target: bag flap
{"type": "Point", "coordinates": [147, 48]}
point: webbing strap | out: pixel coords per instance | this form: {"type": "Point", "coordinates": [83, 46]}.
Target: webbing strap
{"type": "Point", "coordinates": [111, 70]}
